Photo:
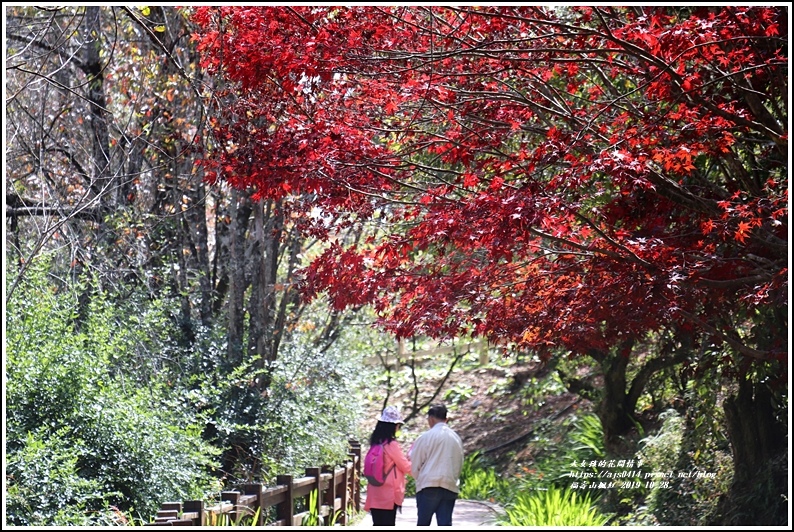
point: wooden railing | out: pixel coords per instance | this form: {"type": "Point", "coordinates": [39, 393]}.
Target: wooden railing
{"type": "Point", "coordinates": [338, 496]}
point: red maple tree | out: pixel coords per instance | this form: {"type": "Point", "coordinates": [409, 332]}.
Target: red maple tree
{"type": "Point", "coordinates": [566, 178]}
{"type": "Point", "coordinates": [549, 177]}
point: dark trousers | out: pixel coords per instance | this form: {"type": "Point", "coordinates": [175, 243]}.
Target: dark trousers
{"type": "Point", "coordinates": [438, 501]}
{"type": "Point", "coordinates": [384, 517]}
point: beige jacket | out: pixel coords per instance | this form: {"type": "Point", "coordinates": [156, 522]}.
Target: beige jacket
{"type": "Point", "coordinates": [437, 458]}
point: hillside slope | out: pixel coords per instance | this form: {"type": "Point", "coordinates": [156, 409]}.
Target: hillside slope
{"type": "Point", "coordinates": [498, 410]}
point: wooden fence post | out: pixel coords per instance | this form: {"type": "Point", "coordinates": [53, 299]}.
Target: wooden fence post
{"type": "Point", "coordinates": [355, 482]}
{"type": "Point", "coordinates": [256, 489]}
{"type": "Point", "coordinates": [197, 508]}
{"type": "Point", "coordinates": [286, 509]}
{"type": "Point", "coordinates": [329, 498]}
{"type": "Point", "coordinates": [345, 495]}
{"type": "Point", "coordinates": [318, 484]}
{"type": "Point", "coordinates": [234, 498]}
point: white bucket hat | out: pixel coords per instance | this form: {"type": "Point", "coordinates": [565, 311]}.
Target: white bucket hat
{"type": "Point", "coordinates": [391, 415]}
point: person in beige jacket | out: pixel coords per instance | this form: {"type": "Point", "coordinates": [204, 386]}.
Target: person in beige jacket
{"type": "Point", "coordinates": [436, 462]}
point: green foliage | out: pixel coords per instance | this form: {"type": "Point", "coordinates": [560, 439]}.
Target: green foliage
{"type": "Point", "coordinates": [553, 507]}
{"type": "Point", "coordinates": [333, 519]}
{"type": "Point", "coordinates": [241, 520]}
{"type": "Point", "coordinates": [660, 451]}
{"type": "Point", "coordinates": [312, 516]}
{"type": "Point", "coordinates": [479, 481]}
{"type": "Point", "coordinates": [535, 393]}
{"type": "Point", "coordinates": [313, 405]}
{"type": "Point", "coordinates": [410, 486]}
{"type": "Point", "coordinates": [458, 394]}
{"type": "Point", "coordinates": [45, 360]}
{"type": "Point", "coordinates": [690, 494]}
{"type": "Point", "coordinates": [588, 435]}
{"type": "Point", "coordinates": [582, 444]}
{"type": "Point", "coordinates": [80, 437]}
{"type": "Point", "coordinates": [566, 461]}
{"type": "Point", "coordinates": [44, 484]}
{"type": "Point", "coordinates": [146, 451]}
{"type": "Point", "coordinates": [302, 417]}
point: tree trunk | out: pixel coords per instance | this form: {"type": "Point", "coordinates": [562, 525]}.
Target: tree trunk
{"type": "Point", "coordinates": [240, 213]}
{"type": "Point", "coordinates": [290, 299]}
{"type": "Point", "coordinates": [93, 67]}
{"type": "Point", "coordinates": [268, 228]}
{"type": "Point", "coordinates": [272, 242]}
{"type": "Point", "coordinates": [201, 238]}
{"type": "Point", "coordinates": [758, 441]}
{"type": "Point", "coordinates": [613, 410]}
{"type": "Point", "coordinates": [257, 310]}
{"type": "Point", "coordinates": [754, 434]}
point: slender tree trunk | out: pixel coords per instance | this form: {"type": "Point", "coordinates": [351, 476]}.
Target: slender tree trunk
{"type": "Point", "coordinates": [269, 228]}
{"type": "Point", "coordinates": [200, 234]}
{"type": "Point", "coordinates": [257, 302]}
{"type": "Point", "coordinates": [273, 234]}
{"type": "Point", "coordinates": [101, 182]}
{"type": "Point", "coordinates": [240, 212]}
{"type": "Point", "coordinates": [290, 297]}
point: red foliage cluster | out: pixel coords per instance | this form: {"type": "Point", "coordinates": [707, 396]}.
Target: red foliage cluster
{"type": "Point", "coordinates": [553, 177]}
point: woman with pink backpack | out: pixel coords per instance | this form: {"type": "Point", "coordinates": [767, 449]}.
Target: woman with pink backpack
{"type": "Point", "coordinates": [385, 467]}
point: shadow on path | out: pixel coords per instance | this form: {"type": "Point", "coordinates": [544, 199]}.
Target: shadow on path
{"type": "Point", "coordinates": [467, 514]}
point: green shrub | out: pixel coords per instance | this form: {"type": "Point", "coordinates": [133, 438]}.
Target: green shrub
{"type": "Point", "coordinates": [458, 393]}
{"type": "Point", "coordinates": [588, 437]}
{"type": "Point", "coordinates": [80, 437]}
{"type": "Point", "coordinates": [44, 485]}
{"type": "Point", "coordinates": [584, 443]}
{"type": "Point", "coordinates": [144, 451]}
{"type": "Point", "coordinates": [313, 406]}
{"type": "Point", "coordinates": [410, 486]}
{"type": "Point", "coordinates": [553, 507]}
{"type": "Point", "coordinates": [660, 451]}
{"type": "Point", "coordinates": [478, 481]}
{"type": "Point", "coordinates": [302, 418]}
{"type": "Point", "coordinates": [684, 499]}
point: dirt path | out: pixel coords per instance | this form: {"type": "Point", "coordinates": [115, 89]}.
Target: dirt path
{"type": "Point", "coordinates": [467, 514]}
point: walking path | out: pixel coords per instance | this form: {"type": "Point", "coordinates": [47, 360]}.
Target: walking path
{"type": "Point", "coordinates": [467, 514]}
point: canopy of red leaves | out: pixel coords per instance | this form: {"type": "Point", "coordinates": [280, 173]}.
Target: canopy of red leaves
{"type": "Point", "coordinates": [551, 177]}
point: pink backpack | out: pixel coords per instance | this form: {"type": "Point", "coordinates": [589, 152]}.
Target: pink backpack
{"type": "Point", "coordinates": [375, 465]}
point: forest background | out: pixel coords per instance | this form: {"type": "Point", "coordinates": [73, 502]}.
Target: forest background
{"type": "Point", "coordinates": [215, 215]}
